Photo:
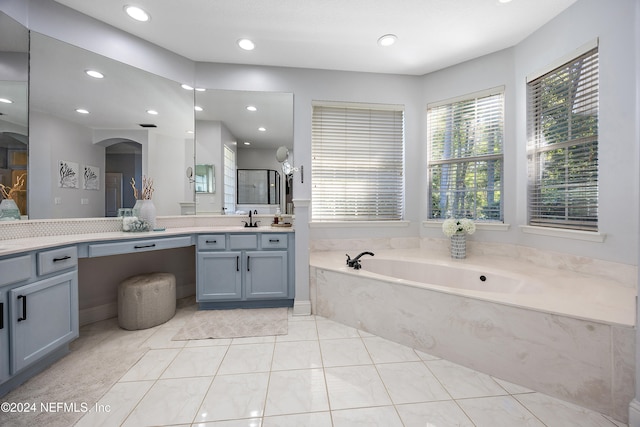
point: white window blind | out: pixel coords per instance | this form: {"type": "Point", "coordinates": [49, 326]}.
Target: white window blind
{"type": "Point", "coordinates": [465, 139]}
{"type": "Point", "coordinates": [563, 145]}
{"type": "Point", "coordinates": [229, 180]}
{"type": "Point", "coordinates": [357, 163]}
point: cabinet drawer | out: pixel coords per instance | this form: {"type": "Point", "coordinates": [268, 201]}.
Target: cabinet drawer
{"type": "Point", "coordinates": [57, 260]}
{"type": "Point", "coordinates": [132, 246]}
{"type": "Point", "coordinates": [212, 241]}
{"type": "Point", "coordinates": [274, 241]}
{"type": "Point", "coordinates": [15, 269]}
{"type": "Point", "coordinates": [243, 241]}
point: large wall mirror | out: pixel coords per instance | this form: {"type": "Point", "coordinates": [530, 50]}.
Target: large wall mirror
{"type": "Point", "coordinates": [102, 131]}
{"type": "Point", "coordinates": [14, 130]}
{"type": "Point", "coordinates": [238, 130]}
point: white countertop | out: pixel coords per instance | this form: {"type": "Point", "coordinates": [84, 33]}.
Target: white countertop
{"type": "Point", "coordinates": [15, 246]}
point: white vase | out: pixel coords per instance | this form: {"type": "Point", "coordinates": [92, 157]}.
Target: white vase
{"type": "Point", "coordinates": [146, 210]}
{"type": "Point", "coordinates": [459, 246]}
{"type": "Point", "coordinates": [9, 210]}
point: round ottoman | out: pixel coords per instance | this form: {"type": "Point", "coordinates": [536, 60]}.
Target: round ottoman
{"type": "Point", "coordinates": [146, 300]}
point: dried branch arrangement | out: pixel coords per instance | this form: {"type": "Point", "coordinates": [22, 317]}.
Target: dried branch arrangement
{"type": "Point", "coordinates": [8, 192]}
{"type": "Point", "coordinates": [147, 188]}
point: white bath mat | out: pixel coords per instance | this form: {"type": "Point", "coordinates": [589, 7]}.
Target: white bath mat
{"type": "Point", "coordinates": [235, 323]}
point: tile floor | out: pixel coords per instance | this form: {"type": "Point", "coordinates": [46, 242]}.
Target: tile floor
{"type": "Point", "coordinates": [321, 374]}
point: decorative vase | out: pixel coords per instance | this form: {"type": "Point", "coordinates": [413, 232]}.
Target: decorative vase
{"type": "Point", "coordinates": [145, 210]}
{"type": "Point", "coordinates": [459, 246]}
{"type": "Point", "coordinates": [9, 210]}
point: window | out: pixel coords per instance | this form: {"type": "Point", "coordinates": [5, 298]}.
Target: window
{"type": "Point", "coordinates": [563, 145]}
{"type": "Point", "coordinates": [357, 162]}
{"type": "Point", "coordinates": [229, 180]}
{"type": "Point", "coordinates": [465, 138]}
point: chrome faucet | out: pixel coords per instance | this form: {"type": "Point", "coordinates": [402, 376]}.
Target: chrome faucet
{"type": "Point", "coordinates": [251, 224]}
{"type": "Point", "coordinates": [355, 263]}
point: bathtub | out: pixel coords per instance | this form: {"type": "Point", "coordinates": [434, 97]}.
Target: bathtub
{"type": "Point", "coordinates": [563, 333]}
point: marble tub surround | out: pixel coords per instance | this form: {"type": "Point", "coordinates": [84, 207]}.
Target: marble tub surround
{"type": "Point", "coordinates": [573, 357]}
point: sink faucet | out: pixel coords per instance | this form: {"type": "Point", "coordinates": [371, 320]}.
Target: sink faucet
{"type": "Point", "coordinates": [355, 263]}
{"type": "Point", "coordinates": [250, 224]}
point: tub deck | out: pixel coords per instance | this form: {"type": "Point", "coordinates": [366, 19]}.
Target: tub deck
{"type": "Point", "coordinates": [556, 291]}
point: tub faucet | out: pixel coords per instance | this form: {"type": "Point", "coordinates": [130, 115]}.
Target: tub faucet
{"type": "Point", "coordinates": [355, 263]}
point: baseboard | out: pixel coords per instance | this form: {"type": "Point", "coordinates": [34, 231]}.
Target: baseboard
{"type": "Point", "coordinates": [98, 313]}
{"type": "Point", "coordinates": [301, 307]}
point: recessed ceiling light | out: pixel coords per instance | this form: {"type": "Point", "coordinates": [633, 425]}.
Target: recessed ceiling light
{"type": "Point", "coordinates": [200, 89]}
{"type": "Point", "coordinates": [186, 86]}
{"type": "Point", "coordinates": [246, 44]}
{"type": "Point", "coordinates": [137, 13]}
{"type": "Point", "coordinates": [387, 40]}
{"type": "Point", "coordinates": [95, 74]}
{"type": "Point", "coordinates": [6, 101]}
{"type": "Point", "coordinates": [197, 108]}
{"type": "Point", "coordinates": [152, 112]}
{"type": "Point", "coordinates": [190, 132]}
{"type": "Point", "coordinates": [247, 143]}
{"type": "Point", "coordinates": [82, 111]}
{"type": "Point", "coordinates": [504, 1]}
{"type": "Point", "coordinates": [262, 129]}
{"type": "Point", "coordinates": [251, 108]}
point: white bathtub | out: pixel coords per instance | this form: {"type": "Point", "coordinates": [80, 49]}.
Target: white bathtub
{"type": "Point", "coordinates": [562, 333]}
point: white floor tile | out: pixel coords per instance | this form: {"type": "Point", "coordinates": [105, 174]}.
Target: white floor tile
{"type": "Point", "coordinates": [498, 411]}
{"type": "Point", "coordinates": [151, 365]}
{"type": "Point", "coordinates": [293, 392]}
{"type": "Point", "coordinates": [296, 355]}
{"type": "Point", "coordinates": [557, 413]}
{"type": "Point", "coordinates": [209, 342]}
{"type": "Point", "coordinates": [384, 416]}
{"type": "Point", "coordinates": [115, 406]}
{"type": "Point", "coordinates": [196, 362]}
{"type": "Point", "coordinates": [246, 358]}
{"type": "Point", "coordinates": [462, 382]}
{"type": "Point", "coordinates": [299, 331]}
{"type": "Point", "coordinates": [411, 382]}
{"type": "Point", "coordinates": [328, 329]}
{"type": "Point", "coordinates": [385, 351]}
{"type": "Point", "coordinates": [172, 401]}
{"type": "Point", "coordinates": [310, 419]}
{"type": "Point", "coordinates": [512, 388]}
{"type": "Point", "coordinates": [234, 396]}
{"type": "Point", "coordinates": [355, 387]}
{"type": "Point", "coordinates": [246, 422]}
{"type": "Point", "coordinates": [161, 338]}
{"type": "Point", "coordinates": [443, 413]}
{"type": "Point", "coordinates": [344, 352]}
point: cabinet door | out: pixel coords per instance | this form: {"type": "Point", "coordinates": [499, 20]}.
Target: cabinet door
{"type": "Point", "coordinates": [44, 316]}
{"type": "Point", "coordinates": [266, 275]}
{"type": "Point", "coordinates": [4, 336]}
{"type": "Point", "coordinates": [219, 276]}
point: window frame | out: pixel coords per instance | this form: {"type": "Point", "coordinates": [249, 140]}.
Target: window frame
{"type": "Point", "coordinates": [436, 160]}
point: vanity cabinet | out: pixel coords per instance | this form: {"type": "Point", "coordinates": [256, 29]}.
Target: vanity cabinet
{"type": "Point", "coordinates": [39, 309]}
{"type": "Point", "coordinates": [245, 269]}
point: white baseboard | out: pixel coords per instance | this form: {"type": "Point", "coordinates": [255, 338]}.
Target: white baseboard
{"type": "Point", "coordinates": [301, 308]}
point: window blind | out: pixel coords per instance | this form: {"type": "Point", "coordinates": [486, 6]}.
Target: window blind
{"type": "Point", "coordinates": [465, 139]}
{"type": "Point", "coordinates": [563, 145]}
{"type": "Point", "coordinates": [357, 163]}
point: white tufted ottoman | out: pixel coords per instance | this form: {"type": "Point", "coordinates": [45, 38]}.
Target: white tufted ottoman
{"type": "Point", "coordinates": [146, 300]}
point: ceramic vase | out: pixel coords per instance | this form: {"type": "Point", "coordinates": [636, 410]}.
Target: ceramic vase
{"type": "Point", "coordinates": [146, 210]}
{"type": "Point", "coordinates": [459, 246]}
{"type": "Point", "coordinates": [9, 210]}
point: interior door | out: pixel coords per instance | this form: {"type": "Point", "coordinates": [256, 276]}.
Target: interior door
{"type": "Point", "coordinates": [113, 193]}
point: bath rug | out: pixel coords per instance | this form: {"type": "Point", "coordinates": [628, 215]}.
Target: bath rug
{"type": "Point", "coordinates": [236, 323]}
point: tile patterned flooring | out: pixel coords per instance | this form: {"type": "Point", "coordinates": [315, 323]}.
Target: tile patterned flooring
{"type": "Point", "coordinates": [320, 374]}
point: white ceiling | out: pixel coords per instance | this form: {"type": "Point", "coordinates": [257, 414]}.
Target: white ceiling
{"type": "Point", "coordinates": [332, 34]}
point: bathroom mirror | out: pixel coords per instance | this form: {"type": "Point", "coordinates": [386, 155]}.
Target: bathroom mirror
{"type": "Point", "coordinates": [241, 130]}
{"type": "Point", "coordinates": [14, 130]}
{"type": "Point", "coordinates": [205, 179]}
{"type": "Point", "coordinates": [76, 118]}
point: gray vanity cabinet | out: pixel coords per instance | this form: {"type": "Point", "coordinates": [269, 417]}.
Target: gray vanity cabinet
{"type": "Point", "coordinates": [219, 276]}
{"type": "Point", "coordinates": [39, 297]}
{"type": "Point", "coordinates": [244, 270]}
